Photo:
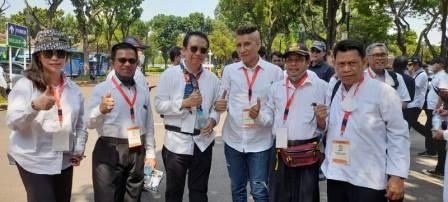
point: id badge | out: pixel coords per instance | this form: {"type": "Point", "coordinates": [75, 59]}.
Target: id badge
{"type": "Point", "coordinates": [188, 123]}
{"type": "Point", "coordinates": [61, 139]}
{"type": "Point", "coordinates": [134, 137]}
{"type": "Point", "coordinates": [247, 121]}
{"type": "Point", "coordinates": [341, 152]}
{"type": "Point", "coordinates": [281, 138]}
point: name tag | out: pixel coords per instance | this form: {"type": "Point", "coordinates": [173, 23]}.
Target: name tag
{"type": "Point", "coordinates": [247, 121]}
{"type": "Point", "coordinates": [341, 152]}
{"type": "Point", "coordinates": [61, 139]}
{"type": "Point", "coordinates": [134, 137]}
{"type": "Point", "coordinates": [281, 138]}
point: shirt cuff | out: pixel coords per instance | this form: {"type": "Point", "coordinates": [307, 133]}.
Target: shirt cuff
{"type": "Point", "coordinates": [96, 112]}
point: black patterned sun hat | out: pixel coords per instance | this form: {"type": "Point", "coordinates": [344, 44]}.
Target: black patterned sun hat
{"type": "Point", "coordinates": [50, 39]}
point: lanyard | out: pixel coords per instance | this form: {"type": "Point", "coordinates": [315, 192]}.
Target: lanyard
{"type": "Point", "coordinates": [131, 104]}
{"type": "Point", "coordinates": [290, 98]}
{"type": "Point", "coordinates": [250, 83]}
{"type": "Point", "coordinates": [188, 75]}
{"type": "Point", "coordinates": [57, 97]}
{"type": "Point", "coordinates": [370, 73]}
{"type": "Point", "coordinates": [347, 114]}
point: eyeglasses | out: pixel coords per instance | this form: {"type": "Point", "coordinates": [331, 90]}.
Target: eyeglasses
{"type": "Point", "coordinates": [124, 60]}
{"type": "Point", "coordinates": [195, 49]}
{"type": "Point", "coordinates": [379, 55]}
{"type": "Point", "coordinates": [315, 50]}
{"type": "Point", "coordinates": [58, 53]}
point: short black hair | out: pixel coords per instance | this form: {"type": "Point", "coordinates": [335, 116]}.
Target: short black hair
{"type": "Point", "coordinates": [277, 53]}
{"type": "Point", "coordinates": [174, 52]}
{"type": "Point", "coordinates": [400, 63]}
{"type": "Point", "coordinates": [262, 51]}
{"type": "Point", "coordinates": [235, 55]}
{"type": "Point", "coordinates": [122, 45]}
{"type": "Point", "coordinates": [348, 45]}
{"type": "Point", "coordinates": [198, 34]}
{"type": "Point", "coordinates": [246, 29]}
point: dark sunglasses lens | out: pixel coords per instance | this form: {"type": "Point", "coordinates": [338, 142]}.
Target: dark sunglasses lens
{"type": "Point", "coordinates": [132, 61]}
{"type": "Point", "coordinates": [61, 53]}
{"type": "Point", "coordinates": [193, 49]}
{"type": "Point", "coordinates": [203, 50]}
{"type": "Point", "coordinates": [47, 53]}
{"type": "Point", "coordinates": [124, 60]}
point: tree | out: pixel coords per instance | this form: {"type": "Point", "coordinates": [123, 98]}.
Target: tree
{"type": "Point", "coordinates": [221, 42]}
{"type": "Point", "coordinates": [197, 22]}
{"type": "Point", "coordinates": [40, 14]}
{"type": "Point", "coordinates": [4, 5]}
{"type": "Point", "coordinates": [50, 14]}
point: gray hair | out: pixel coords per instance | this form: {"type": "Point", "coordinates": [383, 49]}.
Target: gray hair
{"type": "Point", "coordinates": [376, 45]}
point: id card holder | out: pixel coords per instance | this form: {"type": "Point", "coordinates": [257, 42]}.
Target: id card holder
{"type": "Point", "coordinates": [281, 138]}
{"type": "Point", "coordinates": [134, 139]}
{"type": "Point", "coordinates": [341, 152]}
{"type": "Point", "coordinates": [61, 139]}
{"type": "Point", "coordinates": [247, 121]}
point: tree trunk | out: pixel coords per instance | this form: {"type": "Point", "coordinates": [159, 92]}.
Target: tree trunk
{"type": "Point", "coordinates": [85, 50]}
{"type": "Point", "coordinates": [333, 6]}
{"type": "Point", "coordinates": [425, 32]}
{"type": "Point", "coordinates": [444, 41]}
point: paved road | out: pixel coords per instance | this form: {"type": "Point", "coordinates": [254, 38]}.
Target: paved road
{"type": "Point", "coordinates": [419, 187]}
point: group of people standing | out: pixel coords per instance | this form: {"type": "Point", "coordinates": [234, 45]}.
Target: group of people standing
{"type": "Point", "coordinates": [277, 121]}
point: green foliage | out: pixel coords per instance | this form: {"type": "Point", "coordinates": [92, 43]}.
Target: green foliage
{"type": "Point", "coordinates": [221, 42]}
{"type": "Point", "coordinates": [154, 69]}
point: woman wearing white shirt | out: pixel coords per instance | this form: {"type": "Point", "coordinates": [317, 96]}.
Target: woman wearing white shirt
{"type": "Point", "coordinates": [45, 115]}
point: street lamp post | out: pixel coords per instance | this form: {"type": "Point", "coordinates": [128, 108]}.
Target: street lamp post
{"type": "Point", "coordinates": [70, 45]}
{"type": "Point", "coordinates": [210, 57]}
{"type": "Point", "coordinates": [28, 20]}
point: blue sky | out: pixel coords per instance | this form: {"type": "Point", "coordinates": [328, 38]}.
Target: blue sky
{"type": "Point", "coordinates": [185, 7]}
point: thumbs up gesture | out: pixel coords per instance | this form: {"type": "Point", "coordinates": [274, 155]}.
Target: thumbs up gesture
{"type": "Point", "coordinates": [45, 101]}
{"type": "Point", "coordinates": [221, 103]}
{"type": "Point", "coordinates": [107, 103]}
{"type": "Point", "coordinates": [194, 100]}
{"type": "Point", "coordinates": [254, 110]}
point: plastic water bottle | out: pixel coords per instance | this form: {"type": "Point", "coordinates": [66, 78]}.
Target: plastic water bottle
{"type": "Point", "coordinates": [147, 178]}
{"type": "Point", "coordinates": [436, 122]}
{"type": "Point", "coordinates": [202, 121]}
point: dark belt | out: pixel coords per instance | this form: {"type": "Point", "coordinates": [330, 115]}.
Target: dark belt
{"type": "Point", "coordinates": [116, 140]}
{"type": "Point", "coordinates": [300, 142]}
{"type": "Point", "coordinates": [177, 130]}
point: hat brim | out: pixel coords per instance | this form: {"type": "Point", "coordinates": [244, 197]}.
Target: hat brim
{"type": "Point", "coordinates": [52, 45]}
{"type": "Point", "coordinates": [299, 53]}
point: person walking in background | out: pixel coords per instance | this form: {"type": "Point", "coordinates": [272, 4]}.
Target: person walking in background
{"type": "Point", "coordinates": [45, 114]}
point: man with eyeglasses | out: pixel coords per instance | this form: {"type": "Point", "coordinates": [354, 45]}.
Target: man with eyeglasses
{"type": "Point", "coordinates": [120, 111]}
{"type": "Point", "coordinates": [247, 142]}
{"type": "Point", "coordinates": [377, 55]}
{"type": "Point", "coordinates": [185, 96]}
{"type": "Point", "coordinates": [318, 64]}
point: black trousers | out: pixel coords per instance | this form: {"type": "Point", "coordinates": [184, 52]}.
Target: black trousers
{"type": "Point", "coordinates": [198, 167]}
{"type": "Point", "coordinates": [287, 184]}
{"type": "Point", "coordinates": [117, 170]}
{"type": "Point", "coordinates": [425, 130]}
{"type": "Point", "coordinates": [339, 191]}
{"type": "Point", "coordinates": [47, 188]}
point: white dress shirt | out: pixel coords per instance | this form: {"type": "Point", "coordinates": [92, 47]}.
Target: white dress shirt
{"type": "Point", "coordinates": [421, 85]}
{"type": "Point", "coordinates": [30, 142]}
{"type": "Point", "coordinates": [402, 90]}
{"type": "Point", "coordinates": [139, 77]}
{"type": "Point", "coordinates": [168, 101]}
{"type": "Point", "coordinates": [378, 135]}
{"type": "Point", "coordinates": [301, 122]}
{"type": "Point", "coordinates": [115, 123]}
{"type": "Point", "coordinates": [432, 97]}
{"type": "Point", "coordinates": [243, 139]}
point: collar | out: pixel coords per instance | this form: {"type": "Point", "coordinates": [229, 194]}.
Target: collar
{"type": "Point", "coordinates": [308, 80]}
{"type": "Point", "coordinates": [182, 64]}
{"type": "Point", "coordinates": [260, 63]}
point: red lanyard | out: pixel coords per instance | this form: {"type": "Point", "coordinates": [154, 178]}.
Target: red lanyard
{"type": "Point", "coordinates": [290, 98]}
{"type": "Point", "coordinates": [347, 114]}
{"type": "Point", "coordinates": [131, 104]}
{"type": "Point", "coordinates": [370, 73]}
{"type": "Point", "coordinates": [57, 97]}
{"type": "Point", "coordinates": [250, 83]}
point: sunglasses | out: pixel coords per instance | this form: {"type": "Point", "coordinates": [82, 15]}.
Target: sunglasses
{"type": "Point", "coordinates": [195, 49]}
{"type": "Point", "coordinates": [50, 53]}
{"type": "Point", "coordinates": [315, 50]}
{"type": "Point", "coordinates": [124, 60]}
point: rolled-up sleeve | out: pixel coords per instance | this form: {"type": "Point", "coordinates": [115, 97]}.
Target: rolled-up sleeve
{"type": "Point", "coordinates": [20, 113]}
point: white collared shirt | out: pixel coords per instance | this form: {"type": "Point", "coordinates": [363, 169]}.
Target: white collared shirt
{"type": "Point", "coordinates": [115, 123]}
{"type": "Point", "coordinates": [168, 101]}
{"type": "Point", "coordinates": [301, 122]}
{"type": "Point", "coordinates": [234, 81]}
{"type": "Point", "coordinates": [432, 97]}
{"type": "Point", "coordinates": [139, 77]}
{"type": "Point", "coordinates": [421, 85]}
{"type": "Point", "coordinates": [401, 89]}
{"type": "Point", "coordinates": [30, 142]}
{"type": "Point", "coordinates": [378, 135]}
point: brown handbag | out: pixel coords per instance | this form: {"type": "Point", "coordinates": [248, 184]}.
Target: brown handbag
{"type": "Point", "coordinates": [301, 155]}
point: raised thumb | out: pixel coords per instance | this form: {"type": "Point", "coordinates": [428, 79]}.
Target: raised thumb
{"type": "Point", "coordinates": [108, 95]}
{"type": "Point", "coordinates": [223, 96]}
{"type": "Point", "coordinates": [258, 103]}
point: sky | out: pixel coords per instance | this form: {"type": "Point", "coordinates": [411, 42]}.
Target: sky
{"type": "Point", "coordinates": [152, 8]}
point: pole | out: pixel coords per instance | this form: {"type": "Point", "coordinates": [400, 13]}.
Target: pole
{"type": "Point", "coordinates": [10, 68]}
{"type": "Point", "coordinates": [347, 9]}
{"type": "Point", "coordinates": [29, 48]}
{"type": "Point", "coordinates": [71, 55]}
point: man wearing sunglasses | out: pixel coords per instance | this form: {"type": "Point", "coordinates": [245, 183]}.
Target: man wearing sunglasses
{"type": "Point", "coordinates": [318, 64]}
{"type": "Point", "coordinates": [120, 111]}
{"type": "Point", "coordinates": [185, 97]}
{"type": "Point", "coordinates": [139, 76]}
